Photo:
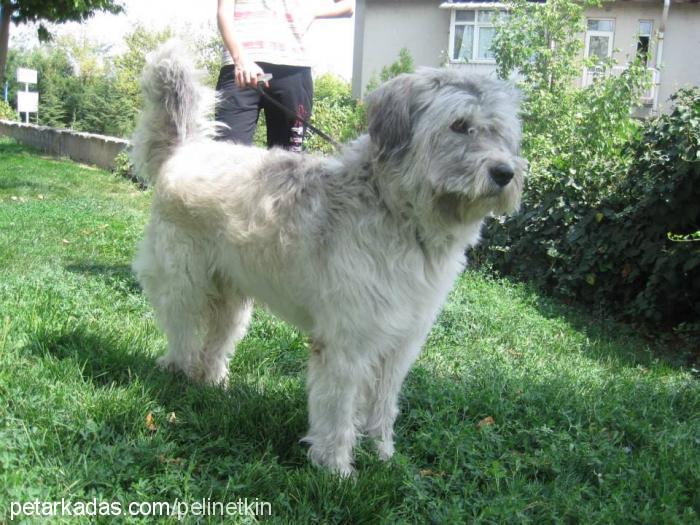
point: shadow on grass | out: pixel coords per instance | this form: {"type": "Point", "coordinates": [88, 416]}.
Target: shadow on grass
{"type": "Point", "coordinates": [10, 147]}
{"type": "Point", "coordinates": [266, 420]}
{"type": "Point", "coordinates": [608, 337]}
{"type": "Point", "coordinates": [631, 344]}
{"type": "Point", "coordinates": [17, 184]}
{"type": "Point", "coordinates": [117, 276]}
{"type": "Point", "coordinates": [269, 413]}
{"type": "Point", "coordinates": [224, 444]}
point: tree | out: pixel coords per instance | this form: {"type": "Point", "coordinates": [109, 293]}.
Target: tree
{"type": "Point", "coordinates": [404, 64]}
{"type": "Point", "coordinates": [127, 70]}
{"type": "Point", "coordinates": [565, 125]}
{"type": "Point", "coordinates": [57, 11]}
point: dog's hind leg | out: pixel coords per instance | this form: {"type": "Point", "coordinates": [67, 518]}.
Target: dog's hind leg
{"type": "Point", "coordinates": [383, 404]}
{"type": "Point", "coordinates": [172, 273]}
{"type": "Point", "coordinates": [332, 388]}
{"type": "Point", "coordinates": [228, 318]}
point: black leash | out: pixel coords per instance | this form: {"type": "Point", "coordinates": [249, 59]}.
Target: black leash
{"type": "Point", "coordinates": [267, 77]}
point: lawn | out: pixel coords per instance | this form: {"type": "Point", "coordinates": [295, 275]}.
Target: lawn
{"type": "Point", "coordinates": [519, 410]}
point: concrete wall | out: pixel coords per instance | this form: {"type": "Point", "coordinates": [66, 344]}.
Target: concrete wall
{"type": "Point", "coordinates": [88, 148]}
{"type": "Point", "coordinates": [680, 64]}
{"type": "Point", "coordinates": [383, 28]}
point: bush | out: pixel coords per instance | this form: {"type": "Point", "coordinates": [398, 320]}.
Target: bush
{"type": "Point", "coordinates": [636, 264]}
{"type": "Point", "coordinates": [334, 111]}
{"type": "Point", "coordinates": [7, 112]}
{"type": "Point", "coordinates": [613, 248]}
{"type": "Point", "coordinates": [123, 166]}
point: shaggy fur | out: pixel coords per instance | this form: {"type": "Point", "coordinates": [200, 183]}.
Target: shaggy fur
{"type": "Point", "coordinates": [359, 250]}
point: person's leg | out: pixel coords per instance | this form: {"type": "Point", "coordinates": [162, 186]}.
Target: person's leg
{"type": "Point", "coordinates": [237, 108]}
{"type": "Point", "coordinates": [292, 86]}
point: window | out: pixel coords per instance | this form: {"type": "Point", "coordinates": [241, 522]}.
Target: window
{"type": "Point", "coordinates": [472, 35]}
{"type": "Point", "coordinates": [600, 34]}
{"type": "Point", "coordinates": [644, 40]}
{"type": "Point", "coordinates": [599, 38]}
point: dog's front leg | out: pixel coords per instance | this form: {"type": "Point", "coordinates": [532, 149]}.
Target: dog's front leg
{"type": "Point", "coordinates": [383, 396]}
{"type": "Point", "coordinates": [333, 380]}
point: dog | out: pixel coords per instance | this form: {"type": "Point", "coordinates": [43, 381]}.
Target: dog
{"type": "Point", "coordinates": [359, 250]}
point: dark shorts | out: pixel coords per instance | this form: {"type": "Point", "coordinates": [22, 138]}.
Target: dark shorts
{"type": "Point", "coordinates": [239, 109]}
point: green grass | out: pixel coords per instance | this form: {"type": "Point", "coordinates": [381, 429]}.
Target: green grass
{"type": "Point", "coordinates": [593, 424]}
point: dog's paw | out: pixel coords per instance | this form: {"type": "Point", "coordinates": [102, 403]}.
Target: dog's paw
{"type": "Point", "coordinates": [211, 375]}
{"type": "Point", "coordinates": [385, 449]}
{"type": "Point", "coordinates": [342, 469]}
{"type": "Point", "coordinates": [215, 377]}
{"type": "Point", "coordinates": [168, 364]}
{"type": "Point", "coordinates": [337, 463]}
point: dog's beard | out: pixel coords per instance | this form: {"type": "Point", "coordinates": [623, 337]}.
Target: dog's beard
{"type": "Point", "coordinates": [508, 201]}
{"type": "Point", "coordinates": [462, 208]}
{"type": "Point", "coordinates": [459, 208]}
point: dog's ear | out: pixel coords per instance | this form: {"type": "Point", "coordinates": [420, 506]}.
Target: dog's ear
{"type": "Point", "coordinates": [389, 115]}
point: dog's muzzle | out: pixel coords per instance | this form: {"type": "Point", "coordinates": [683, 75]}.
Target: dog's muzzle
{"type": "Point", "coordinates": [501, 174]}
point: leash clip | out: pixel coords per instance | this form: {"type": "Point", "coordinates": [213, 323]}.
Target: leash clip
{"type": "Point", "coordinates": [264, 78]}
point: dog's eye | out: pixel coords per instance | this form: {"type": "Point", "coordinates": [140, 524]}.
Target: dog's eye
{"type": "Point", "coordinates": [462, 126]}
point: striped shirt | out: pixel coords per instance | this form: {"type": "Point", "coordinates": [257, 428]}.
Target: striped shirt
{"type": "Point", "coordinates": [272, 31]}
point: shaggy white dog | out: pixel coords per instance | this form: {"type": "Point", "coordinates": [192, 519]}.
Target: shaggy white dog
{"type": "Point", "coordinates": [359, 250]}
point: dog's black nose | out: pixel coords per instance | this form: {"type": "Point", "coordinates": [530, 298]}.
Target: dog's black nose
{"type": "Point", "coordinates": [501, 173]}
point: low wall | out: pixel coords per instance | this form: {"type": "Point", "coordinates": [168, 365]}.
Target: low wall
{"type": "Point", "coordinates": [88, 148]}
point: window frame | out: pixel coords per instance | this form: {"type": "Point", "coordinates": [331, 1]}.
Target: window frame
{"type": "Point", "coordinates": [475, 38]}
{"type": "Point", "coordinates": [595, 32]}
{"type": "Point", "coordinates": [650, 36]}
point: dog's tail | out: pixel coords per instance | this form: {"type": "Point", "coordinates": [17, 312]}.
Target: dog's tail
{"type": "Point", "coordinates": [176, 107]}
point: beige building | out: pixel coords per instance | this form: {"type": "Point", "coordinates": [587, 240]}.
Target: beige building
{"type": "Point", "coordinates": [459, 33]}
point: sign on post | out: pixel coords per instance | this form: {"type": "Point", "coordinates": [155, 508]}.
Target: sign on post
{"type": "Point", "coordinates": [27, 101]}
{"type": "Point", "coordinates": [26, 76]}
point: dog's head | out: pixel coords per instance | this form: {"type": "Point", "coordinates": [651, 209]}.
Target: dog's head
{"type": "Point", "coordinates": [456, 138]}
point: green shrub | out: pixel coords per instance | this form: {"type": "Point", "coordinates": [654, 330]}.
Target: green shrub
{"type": "Point", "coordinates": [636, 264]}
{"type": "Point", "coordinates": [612, 248]}
{"type": "Point", "coordinates": [333, 112]}
{"type": "Point", "coordinates": [7, 112]}
{"type": "Point", "coordinates": [123, 166]}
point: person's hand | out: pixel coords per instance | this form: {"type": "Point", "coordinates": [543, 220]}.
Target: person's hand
{"type": "Point", "coordinates": [247, 74]}
{"type": "Point", "coordinates": [335, 9]}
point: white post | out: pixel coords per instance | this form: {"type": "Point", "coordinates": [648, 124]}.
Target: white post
{"type": "Point", "coordinates": [26, 115]}
{"type": "Point", "coordinates": [659, 56]}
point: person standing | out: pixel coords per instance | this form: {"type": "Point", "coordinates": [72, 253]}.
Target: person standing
{"type": "Point", "coordinates": [267, 37]}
